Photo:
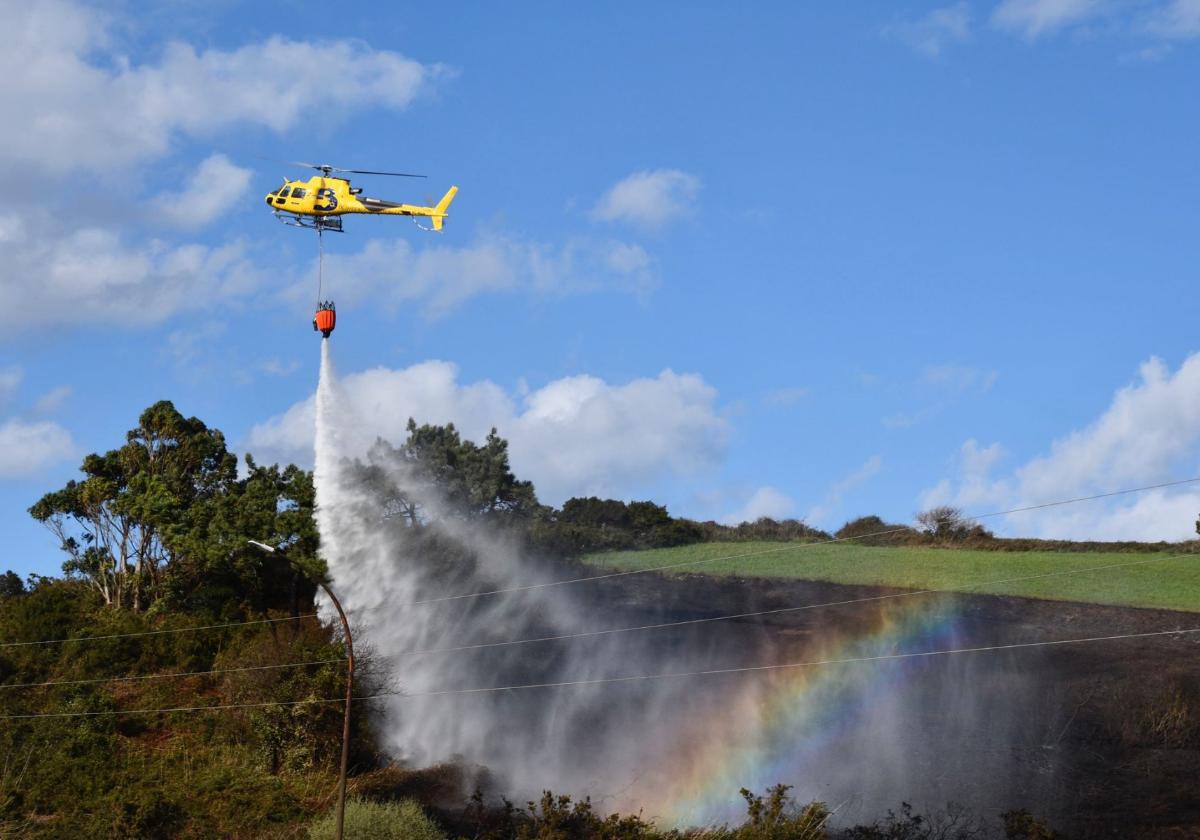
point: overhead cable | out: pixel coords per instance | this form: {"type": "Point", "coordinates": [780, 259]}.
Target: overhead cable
{"type": "Point", "coordinates": [158, 632]}
{"type": "Point", "coordinates": [627, 679]}
{"type": "Point", "coordinates": [137, 677]}
{"type": "Point", "coordinates": [766, 551]}
{"type": "Point", "coordinates": [779, 610]}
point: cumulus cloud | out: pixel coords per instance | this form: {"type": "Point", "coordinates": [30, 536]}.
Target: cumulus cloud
{"type": "Point", "coordinates": [92, 276]}
{"type": "Point", "coordinates": [1033, 18]}
{"type": "Point", "coordinates": [930, 33]}
{"type": "Point", "coordinates": [81, 105]}
{"type": "Point", "coordinates": [390, 272]}
{"type": "Point", "coordinates": [27, 447]}
{"type": "Point", "coordinates": [822, 514]}
{"type": "Point", "coordinates": [765, 501]}
{"type": "Point", "coordinates": [1150, 433]}
{"type": "Point", "coordinates": [574, 436]}
{"type": "Point", "coordinates": [649, 198]}
{"type": "Point", "coordinates": [213, 188]}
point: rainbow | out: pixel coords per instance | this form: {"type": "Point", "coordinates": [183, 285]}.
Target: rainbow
{"type": "Point", "coordinates": [775, 726]}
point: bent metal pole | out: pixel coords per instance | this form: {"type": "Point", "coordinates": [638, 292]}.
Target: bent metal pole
{"type": "Point", "coordinates": [349, 641]}
{"type": "Point", "coordinates": [341, 806]}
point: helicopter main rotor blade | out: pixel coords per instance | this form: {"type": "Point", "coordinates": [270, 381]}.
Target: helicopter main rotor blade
{"type": "Point", "coordinates": [373, 172]}
{"type": "Point", "coordinates": [324, 167]}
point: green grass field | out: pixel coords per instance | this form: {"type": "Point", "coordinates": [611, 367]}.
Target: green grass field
{"type": "Point", "coordinates": [1161, 580]}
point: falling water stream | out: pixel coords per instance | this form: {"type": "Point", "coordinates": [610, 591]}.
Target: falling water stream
{"type": "Point", "coordinates": [867, 734]}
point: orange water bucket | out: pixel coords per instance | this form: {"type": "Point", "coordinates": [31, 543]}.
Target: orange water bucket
{"type": "Point", "coordinates": [325, 319]}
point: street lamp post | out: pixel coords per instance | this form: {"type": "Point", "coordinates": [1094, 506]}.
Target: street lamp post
{"type": "Point", "coordinates": [341, 804]}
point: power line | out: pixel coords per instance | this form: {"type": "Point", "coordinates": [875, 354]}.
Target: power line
{"type": "Point", "coordinates": [627, 679]}
{"type": "Point", "coordinates": [159, 632]}
{"type": "Point", "coordinates": [609, 631]}
{"type": "Point", "coordinates": [169, 676]}
{"type": "Point", "coordinates": [809, 664]}
{"type": "Point", "coordinates": [780, 610]}
{"type": "Point", "coordinates": [210, 708]}
{"type": "Point", "coordinates": [789, 547]}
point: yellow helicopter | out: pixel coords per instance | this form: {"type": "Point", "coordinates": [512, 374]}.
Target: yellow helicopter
{"type": "Point", "coordinates": [320, 202]}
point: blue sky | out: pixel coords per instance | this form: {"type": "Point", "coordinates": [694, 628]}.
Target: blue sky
{"type": "Point", "coordinates": [794, 261]}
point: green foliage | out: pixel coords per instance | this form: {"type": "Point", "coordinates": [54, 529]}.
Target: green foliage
{"type": "Point", "coordinates": [366, 820]}
{"type": "Point", "coordinates": [166, 517]}
{"type": "Point", "coordinates": [592, 524]}
{"type": "Point", "coordinates": [150, 818]}
{"type": "Point", "coordinates": [558, 818]}
{"type": "Point", "coordinates": [467, 480]}
{"type": "Point", "coordinates": [777, 817]}
{"type": "Point", "coordinates": [871, 530]}
{"type": "Point", "coordinates": [11, 585]}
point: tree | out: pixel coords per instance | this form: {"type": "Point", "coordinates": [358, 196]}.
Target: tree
{"type": "Point", "coordinates": [871, 530]}
{"type": "Point", "coordinates": [947, 522]}
{"type": "Point", "coordinates": [11, 585]}
{"type": "Point", "coordinates": [435, 463]}
{"type": "Point", "coordinates": [167, 515]}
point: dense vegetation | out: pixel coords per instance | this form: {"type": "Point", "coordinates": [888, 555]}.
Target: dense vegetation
{"type": "Point", "coordinates": [102, 670]}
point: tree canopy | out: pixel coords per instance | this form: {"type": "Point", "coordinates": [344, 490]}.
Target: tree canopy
{"type": "Point", "coordinates": [166, 515]}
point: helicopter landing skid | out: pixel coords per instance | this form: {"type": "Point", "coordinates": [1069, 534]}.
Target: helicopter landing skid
{"type": "Point", "coordinates": [317, 223]}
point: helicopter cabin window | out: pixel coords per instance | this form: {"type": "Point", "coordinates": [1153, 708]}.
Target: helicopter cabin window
{"type": "Point", "coordinates": [298, 192]}
{"type": "Point", "coordinates": [283, 193]}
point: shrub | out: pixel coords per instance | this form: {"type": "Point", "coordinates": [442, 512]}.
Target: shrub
{"type": "Point", "coordinates": [777, 817]}
{"type": "Point", "coordinates": [1022, 825]}
{"type": "Point", "coordinates": [871, 530]}
{"type": "Point", "coordinates": [366, 820]}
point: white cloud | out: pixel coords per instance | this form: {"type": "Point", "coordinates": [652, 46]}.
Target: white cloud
{"type": "Point", "coordinates": [763, 502]}
{"type": "Point", "coordinates": [1149, 434]}
{"type": "Point", "coordinates": [574, 436]}
{"type": "Point", "coordinates": [81, 105]}
{"type": "Point", "coordinates": [930, 33]}
{"type": "Point", "coordinates": [1177, 19]}
{"type": "Point", "coordinates": [26, 448]}
{"type": "Point", "coordinates": [91, 276]}
{"type": "Point", "coordinates": [391, 272]}
{"type": "Point", "coordinates": [649, 198]}
{"type": "Point", "coordinates": [822, 513]}
{"type": "Point", "coordinates": [213, 189]}
{"type": "Point", "coordinates": [1033, 18]}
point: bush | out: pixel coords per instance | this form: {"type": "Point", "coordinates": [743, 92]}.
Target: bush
{"type": "Point", "coordinates": [366, 820]}
{"type": "Point", "coordinates": [871, 530]}
{"type": "Point", "coordinates": [777, 817]}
